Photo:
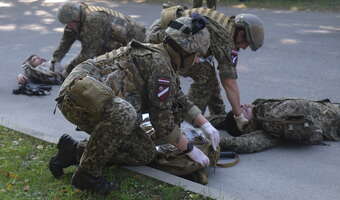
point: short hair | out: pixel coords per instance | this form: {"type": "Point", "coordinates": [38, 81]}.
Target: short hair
{"type": "Point", "coordinates": [229, 125]}
{"type": "Point", "coordinates": [28, 60]}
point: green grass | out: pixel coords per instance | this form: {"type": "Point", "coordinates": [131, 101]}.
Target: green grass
{"type": "Point", "coordinates": [310, 5]}
{"type": "Point", "coordinates": [24, 175]}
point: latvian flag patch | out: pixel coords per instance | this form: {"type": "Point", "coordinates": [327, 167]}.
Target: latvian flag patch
{"type": "Point", "coordinates": [234, 56]}
{"type": "Point", "coordinates": [163, 90]}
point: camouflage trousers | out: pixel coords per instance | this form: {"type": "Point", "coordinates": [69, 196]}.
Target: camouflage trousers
{"type": "Point", "coordinates": [199, 3]}
{"type": "Point", "coordinates": [205, 90]}
{"type": "Point", "coordinates": [248, 143]}
{"type": "Point", "coordinates": [117, 140]}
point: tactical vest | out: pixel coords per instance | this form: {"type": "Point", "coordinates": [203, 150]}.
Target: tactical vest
{"type": "Point", "coordinates": [218, 17]}
{"type": "Point", "coordinates": [291, 126]}
{"type": "Point", "coordinates": [122, 25]}
{"type": "Point", "coordinates": [169, 14]}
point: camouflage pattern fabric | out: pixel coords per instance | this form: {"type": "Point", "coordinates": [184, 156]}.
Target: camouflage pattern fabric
{"type": "Point", "coordinates": [199, 3]}
{"type": "Point", "coordinates": [248, 143]}
{"type": "Point", "coordinates": [221, 29]}
{"type": "Point", "coordinates": [142, 80]}
{"type": "Point", "coordinates": [319, 119]}
{"type": "Point", "coordinates": [205, 90]}
{"type": "Point", "coordinates": [100, 30]}
{"type": "Point", "coordinates": [170, 159]}
{"type": "Point", "coordinates": [322, 116]}
{"type": "Point", "coordinates": [42, 74]}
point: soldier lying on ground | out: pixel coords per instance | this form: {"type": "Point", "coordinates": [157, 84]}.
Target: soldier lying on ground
{"type": "Point", "coordinates": [106, 96]}
{"type": "Point", "coordinates": [227, 35]}
{"type": "Point", "coordinates": [273, 120]}
{"type": "Point", "coordinates": [98, 29]}
{"type": "Point", "coordinates": [38, 70]}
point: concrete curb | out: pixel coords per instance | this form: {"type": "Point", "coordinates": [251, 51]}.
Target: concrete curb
{"type": "Point", "coordinates": [147, 171]}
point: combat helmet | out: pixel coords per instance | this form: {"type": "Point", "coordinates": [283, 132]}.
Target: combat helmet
{"type": "Point", "coordinates": [190, 34]}
{"type": "Point", "coordinates": [253, 26]}
{"type": "Point", "coordinates": [69, 12]}
{"type": "Point", "coordinates": [171, 13]}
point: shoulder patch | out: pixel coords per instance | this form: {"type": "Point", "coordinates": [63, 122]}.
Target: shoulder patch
{"type": "Point", "coordinates": [163, 88]}
{"type": "Point", "coordinates": [234, 57]}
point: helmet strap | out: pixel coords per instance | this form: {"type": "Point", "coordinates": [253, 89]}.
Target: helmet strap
{"type": "Point", "coordinates": [183, 55]}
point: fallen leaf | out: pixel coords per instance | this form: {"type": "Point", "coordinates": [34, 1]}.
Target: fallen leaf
{"type": "Point", "coordinates": [40, 146]}
{"type": "Point", "coordinates": [26, 188]}
{"type": "Point", "coordinates": [9, 186]}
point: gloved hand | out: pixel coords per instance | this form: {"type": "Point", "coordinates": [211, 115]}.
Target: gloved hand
{"type": "Point", "coordinates": [241, 121]}
{"type": "Point", "coordinates": [198, 156]}
{"type": "Point", "coordinates": [212, 133]}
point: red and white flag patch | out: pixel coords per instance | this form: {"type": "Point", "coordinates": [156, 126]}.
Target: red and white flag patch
{"type": "Point", "coordinates": [234, 56]}
{"type": "Point", "coordinates": [163, 90]}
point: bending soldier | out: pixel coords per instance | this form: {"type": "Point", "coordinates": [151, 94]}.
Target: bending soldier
{"type": "Point", "coordinates": [98, 29]}
{"type": "Point", "coordinates": [227, 35]}
{"type": "Point", "coordinates": [107, 95]}
{"type": "Point", "coordinates": [274, 120]}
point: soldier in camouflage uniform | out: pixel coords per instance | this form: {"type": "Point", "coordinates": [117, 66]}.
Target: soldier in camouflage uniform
{"type": "Point", "coordinates": [98, 29]}
{"type": "Point", "coordinates": [227, 35]}
{"type": "Point", "coordinates": [199, 3]}
{"type": "Point", "coordinates": [38, 70]}
{"type": "Point", "coordinates": [107, 95]}
{"type": "Point", "coordinates": [274, 120]}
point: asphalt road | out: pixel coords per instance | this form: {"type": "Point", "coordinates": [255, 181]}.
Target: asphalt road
{"type": "Point", "coordinates": [300, 58]}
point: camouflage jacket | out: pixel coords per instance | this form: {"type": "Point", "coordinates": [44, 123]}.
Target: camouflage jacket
{"type": "Point", "coordinates": [43, 74]}
{"type": "Point", "coordinates": [221, 30]}
{"type": "Point", "coordinates": [143, 75]}
{"type": "Point", "coordinates": [321, 115]}
{"type": "Point", "coordinates": [100, 30]}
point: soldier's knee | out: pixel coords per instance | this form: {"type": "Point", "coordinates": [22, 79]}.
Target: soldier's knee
{"type": "Point", "coordinates": [123, 112]}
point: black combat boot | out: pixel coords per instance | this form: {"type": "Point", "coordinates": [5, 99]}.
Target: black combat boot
{"type": "Point", "coordinates": [66, 156]}
{"type": "Point", "coordinates": [82, 180]}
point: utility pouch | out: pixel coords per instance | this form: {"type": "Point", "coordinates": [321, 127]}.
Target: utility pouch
{"type": "Point", "coordinates": [84, 101]}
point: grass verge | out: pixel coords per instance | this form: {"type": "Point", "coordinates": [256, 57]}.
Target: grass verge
{"type": "Point", "coordinates": [24, 175]}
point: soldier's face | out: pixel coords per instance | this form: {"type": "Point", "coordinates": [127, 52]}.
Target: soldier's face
{"type": "Point", "coordinates": [240, 40]}
{"type": "Point", "coordinates": [247, 110]}
{"type": "Point", "coordinates": [36, 60]}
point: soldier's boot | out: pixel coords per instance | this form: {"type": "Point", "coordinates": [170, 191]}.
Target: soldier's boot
{"type": "Point", "coordinates": [66, 156]}
{"type": "Point", "coordinates": [82, 180]}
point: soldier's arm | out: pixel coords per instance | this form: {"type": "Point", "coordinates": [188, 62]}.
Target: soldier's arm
{"type": "Point", "coordinates": [227, 61]}
{"type": "Point", "coordinates": [65, 44]}
{"type": "Point", "coordinates": [155, 34]}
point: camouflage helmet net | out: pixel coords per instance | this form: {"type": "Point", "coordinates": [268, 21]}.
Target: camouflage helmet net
{"type": "Point", "coordinates": [253, 26]}
{"type": "Point", "coordinates": [189, 40]}
{"type": "Point", "coordinates": [69, 12]}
